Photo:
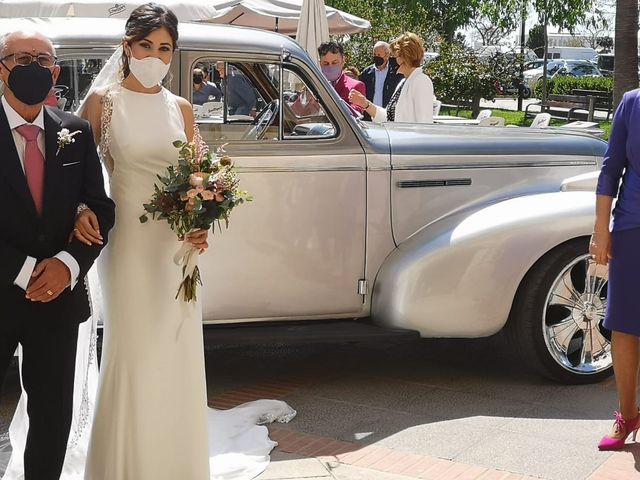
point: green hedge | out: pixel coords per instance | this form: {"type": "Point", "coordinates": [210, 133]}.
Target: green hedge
{"type": "Point", "coordinates": [564, 85]}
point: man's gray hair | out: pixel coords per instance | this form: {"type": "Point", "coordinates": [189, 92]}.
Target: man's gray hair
{"type": "Point", "coordinates": [24, 33]}
{"type": "Point", "coordinates": [385, 45]}
{"type": "Point", "coordinates": [3, 44]}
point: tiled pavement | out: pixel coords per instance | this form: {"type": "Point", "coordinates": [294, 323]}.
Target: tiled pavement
{"type": "Point", "coordinates": [434, 410]}
{"type": "Point", "coordinates": [301, 456]}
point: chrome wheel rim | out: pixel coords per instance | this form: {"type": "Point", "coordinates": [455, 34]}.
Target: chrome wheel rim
{"type": "Point", "coordinates": [573, 315]}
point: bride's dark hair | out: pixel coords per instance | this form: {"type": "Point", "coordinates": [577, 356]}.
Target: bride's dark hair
{"type": "Point", "coordinates": [144, 20]}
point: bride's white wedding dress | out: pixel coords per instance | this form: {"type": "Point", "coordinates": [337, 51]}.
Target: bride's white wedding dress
{"type": "Point", "coordinates": [151, 417]}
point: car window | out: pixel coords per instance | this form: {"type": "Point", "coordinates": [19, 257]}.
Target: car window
{"type": "Point", "coordinates": [235, 101]}
{"type": "Point", "coordinates": [552, 67]}
{"type": "Point", "coordinates": [305, 115]}
{"type": "Point", "coordinates": [255, 101]}
{"type": "Point", "coordinates": [76, 76]}
{"type": "Point", "coordinates": [582, 69]}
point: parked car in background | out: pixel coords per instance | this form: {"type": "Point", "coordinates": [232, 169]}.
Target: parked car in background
{"type": "Point", "coordinates": [426, 230]}
{"type": "Point", "coordinates": [561, 67]}
{"type": "Point", "coordinates": [429, 57]}
{"type": "Point", "coordinates": [577, 68]}
{"type": "Point", "coordinates": [507, 50]}
{"type": "Point", "coordinates": [606, 63]}
{"type": "Point", "coordinates": [577, 53]}
{"type": "Point", "coordinates": [532, 76]}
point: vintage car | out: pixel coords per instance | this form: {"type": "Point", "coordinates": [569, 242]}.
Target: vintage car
{"type": "Point", "coordinates": [447, 231]}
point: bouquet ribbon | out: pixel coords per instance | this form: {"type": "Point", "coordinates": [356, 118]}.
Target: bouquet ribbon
{"type": "Point", "coordinates": [187, 257]}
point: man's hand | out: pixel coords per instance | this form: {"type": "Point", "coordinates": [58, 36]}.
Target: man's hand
{"type": "Point", "coordinates": [48, 280]}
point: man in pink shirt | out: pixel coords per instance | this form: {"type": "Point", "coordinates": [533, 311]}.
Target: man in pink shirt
{"type": "Point", "coordinates": [332, 64]}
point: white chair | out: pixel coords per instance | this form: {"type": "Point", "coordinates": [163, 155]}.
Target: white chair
{"type": "Point", "coordinates": [541, 120]}
{"type": "Point", "coordinates": [437, 104]}
{"type": "Point", "coordinates": [484, 114]}
{"type": "Point", "coordinates": [492, 122]}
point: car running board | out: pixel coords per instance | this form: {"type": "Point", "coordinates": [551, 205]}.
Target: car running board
{"type": "Point", "coordinates": [311, 331]}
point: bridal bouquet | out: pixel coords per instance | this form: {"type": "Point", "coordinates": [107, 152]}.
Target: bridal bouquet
{"type": "Point", "coordinates": [200, 190]}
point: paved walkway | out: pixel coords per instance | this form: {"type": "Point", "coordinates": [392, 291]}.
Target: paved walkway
{"type": "Point", "coordinates": [401, 413]}
{"type": "Point", "coordinates": [431, 409]}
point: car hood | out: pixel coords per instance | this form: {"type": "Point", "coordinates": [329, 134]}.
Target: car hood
{"type": "Point", "coordinates": [408, 141]}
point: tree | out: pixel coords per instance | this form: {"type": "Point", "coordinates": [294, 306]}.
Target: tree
{"type": "Point", "coordinates": [606, 43]}
{"type": "Point", "coordinates": [459, 76]}
{"type": "Point", "coordinates": [536, 40]}
{"type": "Point", "coordinates": [625, 68]}
{"type": "Point", "coordinates": [387, 22]}
{"type": "Point", "coordinates": [595, 26]}
{"type": "Point", "coordinates": [489, 32]}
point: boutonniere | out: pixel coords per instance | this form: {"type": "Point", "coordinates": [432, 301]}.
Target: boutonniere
{"type": "Point", "coordinates": [65, 137]}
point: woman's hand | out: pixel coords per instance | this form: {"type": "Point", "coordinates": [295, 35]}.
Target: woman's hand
{"type": "Point", "coordinates": [87, 229]}
{"type": "Point", "coordinates": [600, 247]}
{"type": "Point", "coordinates": [198, 238]}
{"type": "Point", "coordinates": [356, 98]}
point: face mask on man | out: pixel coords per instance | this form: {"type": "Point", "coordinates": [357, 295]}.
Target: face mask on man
{"type": "Point", "coordinates": [332, 72]}
{"type": "Point", "coordinates": [378, 61]}
{"type": "Point", "coordinates": [30, 83]}
{"type": "Point", "coordinates": [149, 71]}
{"type": "Point", "coordinates": [197, 80]}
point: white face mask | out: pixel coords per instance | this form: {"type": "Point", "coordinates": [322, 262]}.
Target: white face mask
{"type": "Point", "coordinates": [149, 71]}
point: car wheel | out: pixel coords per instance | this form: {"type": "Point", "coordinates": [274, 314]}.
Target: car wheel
{"type": "Point", "coordinates": [556, 319]}
{"type": "Point", "coordinates": [526, 92]}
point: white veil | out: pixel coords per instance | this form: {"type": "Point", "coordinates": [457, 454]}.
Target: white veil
{"type": "Point", "coordinates": [238, 450]}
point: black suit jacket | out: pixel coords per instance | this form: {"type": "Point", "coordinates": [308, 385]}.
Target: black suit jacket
{"type": "Point", "coordinates": [72, 176]}
{"type": "Point", "coordinates": [368, 77]}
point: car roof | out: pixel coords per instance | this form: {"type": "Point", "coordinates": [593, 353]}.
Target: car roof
{"type": "Point", "coordinates": [73, 32]}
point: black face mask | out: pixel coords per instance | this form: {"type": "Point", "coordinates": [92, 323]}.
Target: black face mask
{"type": "Point", "coordinates": [378, 61]}
{"type": "Point", "coordinates": [197, 80]}
{"type": "Point", "coordinates": [30, 83]}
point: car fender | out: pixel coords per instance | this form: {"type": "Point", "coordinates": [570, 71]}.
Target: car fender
{"type": "Point", "coordinates": [458, 276]}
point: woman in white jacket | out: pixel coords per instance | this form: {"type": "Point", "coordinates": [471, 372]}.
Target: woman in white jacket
{"type": "Point", "coordinates": [412, 101]}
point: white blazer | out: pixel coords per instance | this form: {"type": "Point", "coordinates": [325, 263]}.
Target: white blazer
{"type": "Point", "coordinates": [415, 104]}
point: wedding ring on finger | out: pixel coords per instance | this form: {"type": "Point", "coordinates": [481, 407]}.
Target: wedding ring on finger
{"type": "Point", "coordinates": [50, 293]}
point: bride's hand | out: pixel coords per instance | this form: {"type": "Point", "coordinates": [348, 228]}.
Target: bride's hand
{"type": "Point", "coordinates": [87, 229]}
{"type": "Point", "coordinates": [198, 238]}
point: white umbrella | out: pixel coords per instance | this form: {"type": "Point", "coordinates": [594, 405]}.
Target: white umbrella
{"type": "Point", "coordinates": [185, 10]}
{"type": "Point", "coordinates": [282, 16]}
{"type": "Point", "coordinates": [313, 27]}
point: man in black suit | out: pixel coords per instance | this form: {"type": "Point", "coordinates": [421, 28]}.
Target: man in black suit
{"type": "Point", "coordinates": [48, 166]}
{"type": "Point", "coordinates": [381, 78]}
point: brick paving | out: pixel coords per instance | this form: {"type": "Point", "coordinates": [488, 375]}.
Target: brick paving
{"type": "Point", "coordinates": [620, 466]}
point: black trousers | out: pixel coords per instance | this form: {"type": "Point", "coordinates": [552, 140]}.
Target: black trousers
{"type": "Point", "coordinates": [49, 352]}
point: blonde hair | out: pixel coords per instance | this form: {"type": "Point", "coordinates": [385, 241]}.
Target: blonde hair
{"type": "Point", "coordinates": [410, 47]}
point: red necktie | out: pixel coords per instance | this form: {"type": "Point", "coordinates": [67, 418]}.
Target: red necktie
{"type": "Point", "coordinates": [33, 163]}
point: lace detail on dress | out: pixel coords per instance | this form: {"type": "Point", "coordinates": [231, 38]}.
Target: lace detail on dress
{"type": "Point", "coordinates": [105, 129]}
{"type": "Point", "coordinates": [86, 413]}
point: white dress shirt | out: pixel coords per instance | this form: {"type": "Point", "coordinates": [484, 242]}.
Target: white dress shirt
{"type": "Point", "coordinates": [15, 121]}
{"type": "Point", "coordinates": [415, 104]}
{"type": "Point", "coordinates": [380, 78]}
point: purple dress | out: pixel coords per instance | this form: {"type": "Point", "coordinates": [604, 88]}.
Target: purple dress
{"type": "Point", "coordinates": [622, 162]}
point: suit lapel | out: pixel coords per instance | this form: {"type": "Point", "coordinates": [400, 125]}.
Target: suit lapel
{"type": "Point", "coordinates": [10, 165]}
{"type": "Point", "coordinates": [52, 125]}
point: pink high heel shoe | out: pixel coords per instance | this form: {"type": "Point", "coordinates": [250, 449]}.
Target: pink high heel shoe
{"type": "Point", "coordinates": [627, 426]}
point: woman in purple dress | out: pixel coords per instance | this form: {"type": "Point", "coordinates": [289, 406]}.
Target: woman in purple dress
{"type": "Point", "coordinates": [617, 244]}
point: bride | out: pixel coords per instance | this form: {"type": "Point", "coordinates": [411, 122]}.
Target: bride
{"type": "Point", "coordinates": [151, 419]}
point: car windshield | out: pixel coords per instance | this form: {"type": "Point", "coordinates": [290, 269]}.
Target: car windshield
{"type": "Point", "coordinates": [582, 69]}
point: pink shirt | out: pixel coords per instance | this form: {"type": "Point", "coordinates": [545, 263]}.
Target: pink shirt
{"type": "Point", "coordinates": [345, 84]}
